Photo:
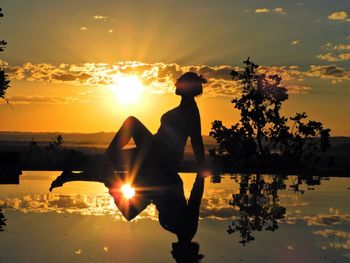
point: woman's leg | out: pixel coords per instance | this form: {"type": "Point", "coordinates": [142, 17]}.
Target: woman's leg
{"type": "Point", "coordinates": [131, 128]}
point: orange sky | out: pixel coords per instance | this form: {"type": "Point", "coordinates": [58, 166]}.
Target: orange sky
{"type": "Point", "coordinates": [65, 66]}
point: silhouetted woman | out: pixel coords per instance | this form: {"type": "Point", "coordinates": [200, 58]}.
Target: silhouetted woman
{"type": "Point", "coordinates": [167, 146]}
{"type": "Point", "coordinates": [164, 151]}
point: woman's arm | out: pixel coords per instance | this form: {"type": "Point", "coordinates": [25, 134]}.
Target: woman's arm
{"type": "Point", "coordinates": [197, 140]}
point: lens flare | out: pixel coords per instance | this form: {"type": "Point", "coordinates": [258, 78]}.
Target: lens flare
{"type": "Point", "coordinates": [128, 191]}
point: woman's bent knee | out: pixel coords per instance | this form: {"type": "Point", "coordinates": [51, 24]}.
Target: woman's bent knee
{"type": "Point", "coordinates": [131, 121]}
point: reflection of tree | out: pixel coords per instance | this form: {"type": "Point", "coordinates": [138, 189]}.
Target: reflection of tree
{"type": "Point", "coordinates": [309, 180]}
{"type": "Point", "coordinates": [2, 221]}
{"type": "Point", "coordinates": [257, 202]}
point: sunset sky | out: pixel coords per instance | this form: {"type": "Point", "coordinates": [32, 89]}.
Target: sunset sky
{"type": "Point", "coordinates": [71, 63]}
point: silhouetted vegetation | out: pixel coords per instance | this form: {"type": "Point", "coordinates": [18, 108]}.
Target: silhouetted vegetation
{"type": "Point", "coordinates": [4, 82]}
{"type": "Point", "coordinates": [53, 155]}
{"type": "Point", "coordinates": [263, 137]}
{"type": "Point", "coordinates": [2, 220]}
{"type": "Point", "coordinates": [258, 206]}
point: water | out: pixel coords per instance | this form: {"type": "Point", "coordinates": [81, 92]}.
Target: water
{"type": "Point", "coordinates": [272, 220]}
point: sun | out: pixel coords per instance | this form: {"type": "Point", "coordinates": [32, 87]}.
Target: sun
{"type": "Point", "coordinates": [127, 88]}
{"type": "Point", "coordinates": [128, 191]}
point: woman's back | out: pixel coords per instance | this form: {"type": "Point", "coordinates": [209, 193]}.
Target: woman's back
{"type": "Point", "coordinates": [176, 126]}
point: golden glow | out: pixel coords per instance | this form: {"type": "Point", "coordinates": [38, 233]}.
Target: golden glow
{"type": "Point", "coordinates": [127, 89]}
{"type": "Point", "coordinates": [128, 191]}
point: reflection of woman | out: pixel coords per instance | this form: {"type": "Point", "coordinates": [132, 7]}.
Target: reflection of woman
{"type": "Point", "coordinates": [181, 218]}
{"type": "Point", "coordinates": [168, 144]}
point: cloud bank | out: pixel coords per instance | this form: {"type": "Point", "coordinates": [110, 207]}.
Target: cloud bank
{"type": "Point", "coordinates": [264, 10]}
{"type": "Point", "coordinates": [159, 78]}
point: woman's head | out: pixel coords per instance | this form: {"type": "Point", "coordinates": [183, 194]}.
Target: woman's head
{"type": "Point", "coordinates": [189, 84]}
{"type": "Point", "coordinates": [186, 252]}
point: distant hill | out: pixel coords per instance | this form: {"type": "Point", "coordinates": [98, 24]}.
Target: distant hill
{"type": "Point", "coordinates": [99, 138]}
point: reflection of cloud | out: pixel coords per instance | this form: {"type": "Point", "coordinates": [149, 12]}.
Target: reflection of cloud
{"type": "Point", "coordinates": [213, 206]}
{"type": "Point", "coordinates": [336, 239]}
{"type": "Point", "coordinates": [327, 219]}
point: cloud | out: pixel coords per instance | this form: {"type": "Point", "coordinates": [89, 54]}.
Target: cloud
{"type": "Point", "coordinates": [25, 100]}
{"type": "Point", "coordinates": [334, 58]}
{"type": "Point", "coordinates": [277, 10]}
{"type": "Point", "coordinates": [295, 42]}
{"type": "Point", "coordinates": [338, 47]}
{"type": "Point", "coordinates": [334, 53]}
{"type": "Point", "coordinates": [332, 72]}
{"type": "Point", "coordinates": [298, 89]}
{"type": "Point", "coordinates": [159, 78]}
{"type": "Point", "coordinates": [340, 16]}
{"type": "Point", "coordinates": [262, 10]}
{"type": "Point", "coordinates": [342, 47]}
{"type": "Point", "coordinates": [100, 17]}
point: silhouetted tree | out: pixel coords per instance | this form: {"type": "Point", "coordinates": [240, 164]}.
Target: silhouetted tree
{"type": "Point", "coordinates": [55, 144]}
{"type": "Point", "coordinates": [304, 140]}
{"type": "Point", "coordinates": [258, 206]}
{"type": "Point", "coordinates": [262, 133]}
{"type": "Point", "coordinates": [4, 82]}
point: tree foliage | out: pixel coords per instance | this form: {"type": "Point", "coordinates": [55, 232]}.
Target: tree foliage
{"type": "Point", "coordinates": [262, 134]}
{"type": "Point", "coordinates": [4, 82]}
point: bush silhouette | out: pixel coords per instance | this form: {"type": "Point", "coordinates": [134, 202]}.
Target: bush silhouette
{"type": "Point", "coordinates": [4, 82]}
{"type": "Point", "coordinates": [262, 136]}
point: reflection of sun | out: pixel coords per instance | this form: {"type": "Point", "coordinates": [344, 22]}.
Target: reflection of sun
{"type": "Point", "coordinates": [128, 89]}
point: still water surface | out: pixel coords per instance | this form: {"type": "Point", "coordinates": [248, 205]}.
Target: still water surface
{"type": "Point", "coordinates": [242, 219]}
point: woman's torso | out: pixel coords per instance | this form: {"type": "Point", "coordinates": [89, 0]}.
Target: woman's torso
{"type": "Point", "coordinates": [176, 126]}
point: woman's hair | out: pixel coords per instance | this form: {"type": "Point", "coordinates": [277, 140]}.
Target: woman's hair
{"type": "Point", "coordinates": [189, 84]}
